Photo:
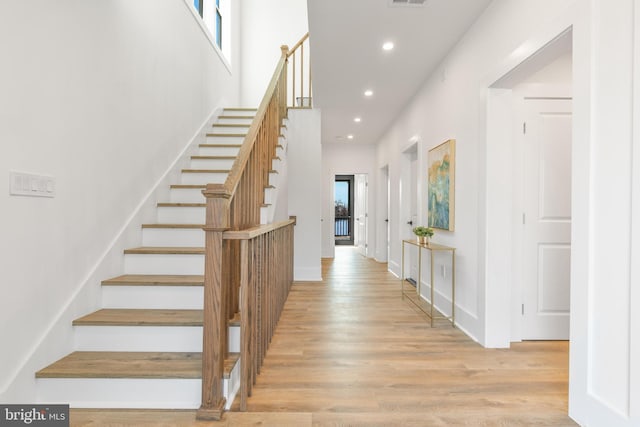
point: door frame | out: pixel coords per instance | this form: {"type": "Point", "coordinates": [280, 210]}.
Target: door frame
{"type": "Point", "coordinates": [408, 195]}
{"type": "Point", "coordinates": [502, 300]}
{"type": "Point", "coordinates": [361, 199]}
{"type": "Point", "coordinates": [351, 180]}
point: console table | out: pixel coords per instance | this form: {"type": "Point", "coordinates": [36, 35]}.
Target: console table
{"type": "Point", "coordinates": [432, 248]}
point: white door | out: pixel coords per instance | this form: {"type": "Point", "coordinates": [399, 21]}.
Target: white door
{"type": "Point", "coordinates": [408, 209]}
{"type": "Point", "coordinates": [360, 213]}
{"type": "Point", "coordinates": [413, 219]}
{"type": "Point", "coordinates": [546, 219]}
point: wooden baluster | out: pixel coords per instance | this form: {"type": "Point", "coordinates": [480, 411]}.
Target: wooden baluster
{"type": "Point", "coordinates": [245, 324]}
{"type": "Point", "coordinates": [302, 75]}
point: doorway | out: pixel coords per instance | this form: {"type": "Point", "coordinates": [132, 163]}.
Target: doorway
{"type": "Point", "coordinates": [529, 198]}
{"type": "Point", "coordinates": [361, 217]}
{"type": "Point", "coordinates": [409, 207]}
{"type": "Point", "coordinates": [343, 206]}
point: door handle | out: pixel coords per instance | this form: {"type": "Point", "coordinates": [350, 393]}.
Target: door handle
{"type": "Point", "coordinates": [410, 222]}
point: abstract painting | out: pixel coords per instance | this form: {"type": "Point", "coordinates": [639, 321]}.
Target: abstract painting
{"type": "Point", "coordinates": [441, 189]}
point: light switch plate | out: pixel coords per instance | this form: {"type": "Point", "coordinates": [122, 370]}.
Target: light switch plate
{"type": "Point", "coordinates": [34, 185]}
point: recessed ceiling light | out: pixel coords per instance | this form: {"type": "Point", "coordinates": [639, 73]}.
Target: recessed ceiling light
{"type": "Point", "coordinates": [349, 136]}
{"type": "Point", "coordinates": [368, 92]}
{"type": "Point", "coordinates": [388, 46]}
{"type": "Point", "coordinates": [357, 120]}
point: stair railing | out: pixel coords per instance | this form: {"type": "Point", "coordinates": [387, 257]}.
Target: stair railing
{"type": "Point", "coordinates": [300, 82]}
{"type": "Point", "coordinates": [263, 292]}
{"type": "Point", "coordinates": [231, 207]}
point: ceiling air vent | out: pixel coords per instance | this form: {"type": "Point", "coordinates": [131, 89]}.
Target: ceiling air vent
{"type": "Point", "coordinates": [413, 3]}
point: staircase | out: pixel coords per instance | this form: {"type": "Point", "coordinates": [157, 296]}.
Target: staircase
{"type": "Point", "coordinates": [143, 349]}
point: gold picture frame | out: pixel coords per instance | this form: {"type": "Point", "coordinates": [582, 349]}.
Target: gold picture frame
{"type": "Point", "coordinates": [441, 194]}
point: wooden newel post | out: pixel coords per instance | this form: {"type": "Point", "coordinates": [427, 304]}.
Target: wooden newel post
{"type": "Point", "coordinates": [214, 345]}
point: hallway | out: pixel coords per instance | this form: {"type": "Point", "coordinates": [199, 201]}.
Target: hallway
{"type": "Point", "coordinates": [349, 351]}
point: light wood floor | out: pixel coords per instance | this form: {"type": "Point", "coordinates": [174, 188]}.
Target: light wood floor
{"type": "Point", "coordinates": [350, 352]}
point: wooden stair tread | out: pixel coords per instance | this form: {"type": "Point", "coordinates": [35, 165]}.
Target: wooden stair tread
{"type": "Point", "coordinates": [181, 226]}
{"type": "Point", "coordinates": [228, 135]}
{"type": "Point", "coordinates": [141, 365]}
{"type": "Point", "coordinates": [181, 205]}
{"type": "Point", "coordinates": [226, 116]}
{"type": "Point", "coordinates": [166, 250]}
{"type": "Point", "coordinates": [206, 170]}
{"type": "Point", "coordinates": [141, 317]}
{"type": "Point", "coordinates": [213, 157]}
{"type": "Point", "coordinates": [220, 145]}
{"type": "Point", "coordinates": [236, 320]}
{"type": "Point", "coordinates": [240, 109]}
{"type": "Point", "coordinates": [188, 186]}
{"type": "Point", "coordinates": [231, 125]}
{"type": "Point", "coordinates": [155, 280]}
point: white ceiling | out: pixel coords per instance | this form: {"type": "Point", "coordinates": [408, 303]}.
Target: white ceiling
{"type": "Point", "coordinates": [346, 39]}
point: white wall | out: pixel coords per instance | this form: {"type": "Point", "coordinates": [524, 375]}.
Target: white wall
{"type": "Point", "coordinates": [346, 159]}
{"type": "Point", "coordinates": [267, 25]}
{"type": "Point", "coordinates": [305, 186]}
{"type": "Point", "coordinates": [104, 96]}
{"type": "Point", "coordinates": [605, 336]}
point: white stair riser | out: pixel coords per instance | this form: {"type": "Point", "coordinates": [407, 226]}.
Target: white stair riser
{"type": "Point", "coordinates": [231, 386]}
{"type": "Point", "coordinates": [276, 163]}
{"type": "Point", "coordinates": [186, 195]}
{"type": "Point", "coordinates": [269, 195]}
{"type": "Point", "coordinates": [218, 151]}
{"type": "Point", "coordinates": [131, 393]}
{"type": "Point", "coordinates": [265, 215]}
{"type": "Point", "coordinates": [235, 121]}
{"type": "Point", "coordinates": [211, 163]}
{"type": "Point", "coordinates": [203, 178]}
{"type": "Point", "coordinates": [181, 215]}
{"type": "Point", "coordinates": [173, 236]}
{"type": "Point", "coordinates": [138, 338]}
{"type": "Point", "coordinates": [149, 297]}
{"type": "Point", "coordinates": [121, 392]}
{"type": "Point", "coordinates": [273, 179]}
{"type": "Point", "coordinates": [146, 338]}
{"type": "Point", "coordinates": [230, 130]}
{"type": "Point", "coordinates": [224, 139]}
{"type": "Point", "coordinates": [163, 264]}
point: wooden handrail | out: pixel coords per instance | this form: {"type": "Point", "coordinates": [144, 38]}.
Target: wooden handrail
{"type": "Point", "coordinates": [254, 232]}
{"type": "Point", "coordinates": [231, 183]}
{"type": "Point", "coordinates": [297, 45]}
